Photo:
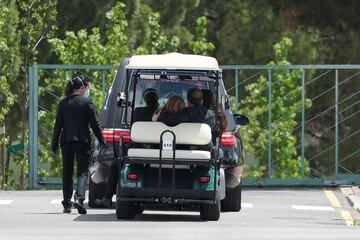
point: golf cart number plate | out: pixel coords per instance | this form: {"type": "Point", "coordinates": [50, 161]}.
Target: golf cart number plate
{"type": "Point", "coordinates": [167, 146]}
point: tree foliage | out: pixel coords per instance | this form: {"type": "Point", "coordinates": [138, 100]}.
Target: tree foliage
{"type": "Point", "coordinates": [10, 63]}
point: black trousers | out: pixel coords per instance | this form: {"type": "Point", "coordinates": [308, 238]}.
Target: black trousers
{"type": "Point", "coordinates": [81, 152]}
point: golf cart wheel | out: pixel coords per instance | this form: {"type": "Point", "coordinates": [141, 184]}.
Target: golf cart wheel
{"type": "Point", "coordinates": [232, 201]}
{"type": "Point", "coordinates": [96, 191]}
{"type": "Point", "coordinates": [124, 209]}
{"type": "Point", "coordinates": [210, 212]}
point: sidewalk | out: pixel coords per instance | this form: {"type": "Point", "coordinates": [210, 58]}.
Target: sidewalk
{"type": "Point", "coordinates": [353, 196]}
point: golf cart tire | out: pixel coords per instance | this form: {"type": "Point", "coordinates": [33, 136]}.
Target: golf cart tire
{"type": "Point", "coordinates": [124, 209]}
{"type": "Point", "coordinates": [210, 212]}
{"type": "Point", "coordinates": [96, 191]}
{"type": "Point", "coordinates": [232, 201]}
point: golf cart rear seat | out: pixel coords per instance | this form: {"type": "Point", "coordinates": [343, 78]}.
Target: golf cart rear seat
{"type": "Point", "coordinates": [198, 134]}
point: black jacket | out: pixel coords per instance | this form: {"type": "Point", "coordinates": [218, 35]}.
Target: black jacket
{"type": "Point", "coordinates": [200, 114]}
{"type": "Point", "coordinates": [74, 114]}
{"type": "Point", "coordinates": [143, 114]}
{"type": "Point", "coordinates": [173, 119]}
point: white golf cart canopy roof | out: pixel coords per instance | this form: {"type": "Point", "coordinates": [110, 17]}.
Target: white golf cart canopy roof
{"type": "Point", "coordinates": [173, 61]}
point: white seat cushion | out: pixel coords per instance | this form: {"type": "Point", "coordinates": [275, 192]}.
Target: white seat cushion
{"type": "Point", "coordinates": [186, 133]}
{"type": "Point", "coordinates": [179, 154]}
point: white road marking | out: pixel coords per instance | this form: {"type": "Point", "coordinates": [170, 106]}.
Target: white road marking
{"type": "Point", "coordinates": [171, 212]}
{"type": "Point", "coordinates": [247, 205]}
{"type": "Point", "coordinates": [58, 201]}
{"type": "Point", "coordinates": [313, 208]}
{"type": "Point", "coordinates": [5, 202]}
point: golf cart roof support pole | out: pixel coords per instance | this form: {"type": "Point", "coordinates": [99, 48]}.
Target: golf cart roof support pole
{"type": "Point", "coordinates": [127, 95]}
{"type": "Point", "coordinates": [302, 122]}
{"type": "Point", "coordinates": [236, 91]}
{"type": "Point", "coordinates": [269, 123]}
{"type": "Point", "coordinates": [134, 80]}
{"type": "Point", "coordinates": [217, 92]}
{"type": "Point", "coordinates": [336, 123]}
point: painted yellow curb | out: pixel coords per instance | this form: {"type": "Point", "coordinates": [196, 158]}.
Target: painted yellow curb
{"type": "Point", "coordinates": [347, 217]}
{"type": "Point", "coordinates": [332, 198]}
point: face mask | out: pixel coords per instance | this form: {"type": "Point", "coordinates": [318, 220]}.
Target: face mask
{"type": "Point", "coordinates": [87, 92]}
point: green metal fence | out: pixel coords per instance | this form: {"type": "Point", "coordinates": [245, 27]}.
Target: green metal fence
{"type": "Point", "coordinates": [43, 98]}
{"type": "Point", "coordinates": [327, 133]}
{"type": "Point", "coordinates": [336, 123]}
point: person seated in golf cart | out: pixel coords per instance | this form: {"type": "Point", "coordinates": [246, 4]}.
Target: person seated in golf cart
{"type": "Point", "coordinates": [173, 112]}
{"type": "Point", "coordinates": [209, 104]}
{"type": "Point", "coordinates": [145, 113]}
{"type": "Point", "coordinates": [196, 111]}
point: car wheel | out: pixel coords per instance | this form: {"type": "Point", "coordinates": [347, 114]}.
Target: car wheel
{"type": "Point", "coordinates": [210, 212]}
{"type": "Point", "coordinates": [232, 201]}
{"type": "Point", "coordinates": [124, 209]}
{"type": "Point", "coordinates": [96, 191]}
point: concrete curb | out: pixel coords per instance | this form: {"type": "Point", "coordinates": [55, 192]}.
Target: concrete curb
{"type": "Point", "coordinates": [354, 202]}
{"type": "Point", "coordinates": [352, 197]}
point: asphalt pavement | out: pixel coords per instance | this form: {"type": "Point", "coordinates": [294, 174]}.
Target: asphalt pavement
{"type": "Point", "coordinates": [267, 213]}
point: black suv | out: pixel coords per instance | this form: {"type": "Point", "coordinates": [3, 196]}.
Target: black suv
{"type": "Point", "coordinates": [125, 94]}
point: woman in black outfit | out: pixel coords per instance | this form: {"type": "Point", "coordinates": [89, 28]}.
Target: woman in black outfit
{"type": "Point", "coordinates": [74, 115]}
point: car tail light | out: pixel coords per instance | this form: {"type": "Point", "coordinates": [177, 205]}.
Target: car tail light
{"type": "Point", "coordinates": [204, 179]}
{"type": "Point", "coordinates": [228, 139]}
{"type": "Point", "coordinates": [132, 176]}
{"type": "Point", "coordinates": [113, 135]}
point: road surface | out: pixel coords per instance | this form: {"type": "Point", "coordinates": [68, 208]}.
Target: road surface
{"type": "Point", "coordinates": [267, 213]}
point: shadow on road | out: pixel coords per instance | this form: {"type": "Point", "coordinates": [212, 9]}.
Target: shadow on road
{"type": "Point", "coordinates": [145, 217]}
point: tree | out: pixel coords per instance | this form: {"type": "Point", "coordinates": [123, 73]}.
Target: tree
{"type": "Point", "coordinates": [286, 98]}
{"type": "Point", "coordinates": [35, 23]}
{"type": "Point", "coordinates": [9, 62]}
{"type": "Point", "coordinates": [201, 45]}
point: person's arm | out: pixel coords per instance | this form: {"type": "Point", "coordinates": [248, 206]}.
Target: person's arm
{"type": "Point", "coordinates": [59, 124]}
{"type": "Point", "coordinates": [156, 115]}
{"type": "Point", "coordinates": [94, 123]}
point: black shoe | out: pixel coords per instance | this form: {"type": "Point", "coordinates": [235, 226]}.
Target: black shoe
{"type": "Point", "coordinates": [67, 210]}
{"type": "Point", "coordinates": [80, 207]}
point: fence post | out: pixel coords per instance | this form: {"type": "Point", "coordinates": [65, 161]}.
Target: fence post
{"type": "Point", "coordinates": [302, 123]}
{"type": "Point", "coordinates": [103, 87]}
{"type": "Point", "coordinates": [236, 91]}
{"type": "Point", "coordinates": [270, 121]}
{"type": "Point", "coordinates": [35, 127]}
{"type": "Point", "coordinates": [336, 123]}
{"type": "Point", "coordinates": [31, 128]}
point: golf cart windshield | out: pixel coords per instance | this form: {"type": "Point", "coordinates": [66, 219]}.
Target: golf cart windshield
{"type": "Point", "coordinates": [167, 88]}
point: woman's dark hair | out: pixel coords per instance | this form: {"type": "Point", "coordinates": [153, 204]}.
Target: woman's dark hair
{"type": "Point", "coordinates": [83, 77]}
{"type": "Point", "coordinates": [73, 84]}
{"type": "Point", "coordinates": [151, 99]}
{"type": "Point", "coordinates": [221, 119]}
